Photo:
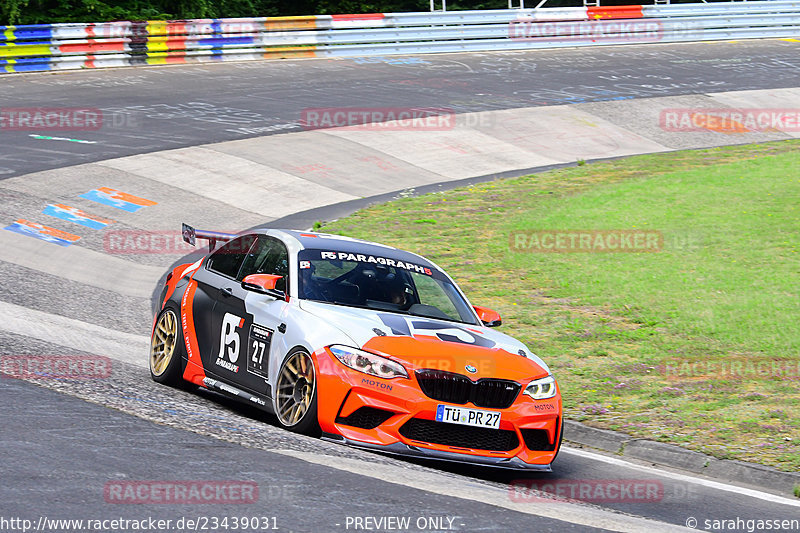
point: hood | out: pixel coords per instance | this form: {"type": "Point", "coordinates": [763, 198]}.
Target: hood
{"type": "Point", "coordinates": [420, 342]}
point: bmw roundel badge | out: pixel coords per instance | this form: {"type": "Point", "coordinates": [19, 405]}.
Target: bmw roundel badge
{"type": "Point", "coordinates": [471, 369]}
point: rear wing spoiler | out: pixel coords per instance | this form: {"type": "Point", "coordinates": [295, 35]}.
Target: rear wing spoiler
{"type": "Point", "coordinates": [191, 235]}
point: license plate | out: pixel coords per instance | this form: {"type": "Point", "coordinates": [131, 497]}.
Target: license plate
{"type": "Point", "coordinates": [468, 417]}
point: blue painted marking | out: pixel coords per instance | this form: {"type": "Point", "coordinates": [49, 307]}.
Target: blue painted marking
{"type": "Point", "coordinates": [38, 67]}
{"type": "Point", "coordinates": [32, 32]}
{"type": "Point", "coordinates": [63, 214]}
{"type": "Point", "coordinates": [23, 60]}
{"type": "Point", "coordinates": [28, 231]}
{"type": "Point", "coordinates": [28, 31]}
{"type": "Point", "coordinates": [216, 42]}
{"type": "Point", "coordinates": [106, 199]}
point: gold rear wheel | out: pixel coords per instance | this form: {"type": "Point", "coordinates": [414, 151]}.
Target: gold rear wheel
{"type": "Point", "coordinates": [165, 348]}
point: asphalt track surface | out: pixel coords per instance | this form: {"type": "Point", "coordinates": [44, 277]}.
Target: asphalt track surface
{"type": "Point", "coordinates": [159, 108]}
{"type": "Point", "coordinates": [60, 451]}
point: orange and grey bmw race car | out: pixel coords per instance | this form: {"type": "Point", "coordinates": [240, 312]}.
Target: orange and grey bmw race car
{"type": "Point", "coordinates": [360, 343]}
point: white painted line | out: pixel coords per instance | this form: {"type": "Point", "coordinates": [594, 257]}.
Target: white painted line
{"type": "Point", "coordinates": [70, 333]}
{"type": "Point", "coordinates": [681, 477]}
{"type": "Point", "coordinates": [434, 482]}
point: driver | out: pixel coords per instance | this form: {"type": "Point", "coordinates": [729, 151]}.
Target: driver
{"type": "Point", "coordinates": [400, 295]}
{"type": "Point", "coordinates": [311, 289]}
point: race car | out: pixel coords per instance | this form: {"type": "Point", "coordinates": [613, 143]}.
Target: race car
{"type": "Point", "coordinates": [356, 342]}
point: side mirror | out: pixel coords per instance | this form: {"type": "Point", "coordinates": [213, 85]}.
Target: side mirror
{"type": "Point", "coordinates": [490, 318]}
{"type": "Point", "coordinates": [264, 284]}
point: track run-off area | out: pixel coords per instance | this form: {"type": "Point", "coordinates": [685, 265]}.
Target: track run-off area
{"type": "Point", "coordinates": [224, 147]}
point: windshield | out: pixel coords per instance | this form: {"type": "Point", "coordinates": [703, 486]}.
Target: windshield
{"type": "Point", "coordinates": [380, 283]}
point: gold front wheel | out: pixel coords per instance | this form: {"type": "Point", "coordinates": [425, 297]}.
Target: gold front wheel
{"type": "Point", "coordinates": [296, 405]}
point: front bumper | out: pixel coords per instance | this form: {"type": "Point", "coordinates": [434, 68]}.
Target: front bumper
{"type": "Point", "coordinates": [343, 392]}
{"type": "Point", "coordinates": [399, 448]}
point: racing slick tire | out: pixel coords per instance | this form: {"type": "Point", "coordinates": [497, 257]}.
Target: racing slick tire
{"type": "Point", "coordinates": [296, 394]}
{"type": "Point", "coordinates": [167, 349]}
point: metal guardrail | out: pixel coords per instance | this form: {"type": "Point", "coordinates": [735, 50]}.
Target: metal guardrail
{"type": "Point", "coordinates": [74, 46]}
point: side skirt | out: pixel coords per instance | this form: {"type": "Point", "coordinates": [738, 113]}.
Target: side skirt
{"type": "Point", "coordinates": [237, 393]}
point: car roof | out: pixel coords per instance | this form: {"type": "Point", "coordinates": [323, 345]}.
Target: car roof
{"type": "Point", "coordinates": [339, 243]}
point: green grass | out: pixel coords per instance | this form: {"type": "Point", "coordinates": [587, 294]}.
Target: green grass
{"type": "Point", "coordinates": [697, 344]}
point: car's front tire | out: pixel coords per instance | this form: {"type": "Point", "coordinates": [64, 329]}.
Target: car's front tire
{"type": "Point", "coordinates": [166, 349]}
{"type": "Point", "coordinates": [296, 394]}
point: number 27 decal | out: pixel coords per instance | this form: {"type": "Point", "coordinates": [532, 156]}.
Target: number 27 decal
{"type": "Point", "coordinates": [258, 352]}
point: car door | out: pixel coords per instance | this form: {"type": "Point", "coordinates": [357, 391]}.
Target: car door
{"type": "Point", "coordinates": [215, 282]}
{"type": "Point", "coordinates": [249, 320]}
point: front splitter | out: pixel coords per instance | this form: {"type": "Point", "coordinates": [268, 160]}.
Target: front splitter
{"type": "Point", "coordinates": [406, 450]}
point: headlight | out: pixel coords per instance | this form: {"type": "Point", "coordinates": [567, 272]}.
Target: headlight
{"type": "Point", "coordinates": [368, 363]}
{"type": "Point", "coordinates": [541, 389]}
